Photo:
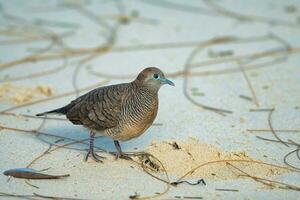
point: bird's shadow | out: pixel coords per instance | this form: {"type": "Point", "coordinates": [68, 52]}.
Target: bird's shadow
{"type": "Point", "coordinates": [69, 135]}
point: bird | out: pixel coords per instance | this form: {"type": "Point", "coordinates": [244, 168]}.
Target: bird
{"type": "Point", "coordinates": [122, 111]}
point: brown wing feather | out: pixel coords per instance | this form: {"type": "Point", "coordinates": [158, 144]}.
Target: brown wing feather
{"type": "Point", "coordinates": [100, 108]}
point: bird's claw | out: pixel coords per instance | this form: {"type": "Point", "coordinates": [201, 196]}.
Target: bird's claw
{"type": "Point", "coordinates": [122, 155]}
{"type": "Point", "coordinates": [94, 156]}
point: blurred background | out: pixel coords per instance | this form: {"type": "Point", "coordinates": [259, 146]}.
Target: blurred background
{"type": "Point", "coordinates": [235, 65]}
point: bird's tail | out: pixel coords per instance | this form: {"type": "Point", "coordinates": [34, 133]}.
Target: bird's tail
{"type": "Point", "coordinates": [62, 110]}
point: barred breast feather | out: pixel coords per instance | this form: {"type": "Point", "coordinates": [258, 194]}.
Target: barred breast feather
{"type": "Point", "coordinates": [138, 113]}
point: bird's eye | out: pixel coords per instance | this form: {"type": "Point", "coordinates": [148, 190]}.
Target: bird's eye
{"type": "Point", "coordinates": [155, 76]}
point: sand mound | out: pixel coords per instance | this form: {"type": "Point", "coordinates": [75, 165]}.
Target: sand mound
{"type": "Point", "coordinates": [180, 157]}
{"type": "Point", "coordinates": [20, 94]}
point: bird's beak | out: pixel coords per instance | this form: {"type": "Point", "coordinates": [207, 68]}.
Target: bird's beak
{"type": "Point", "coordinates": [167, 81]}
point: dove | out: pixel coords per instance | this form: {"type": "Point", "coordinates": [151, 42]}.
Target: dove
{"type": "Point", "coordinates": [121, 112]}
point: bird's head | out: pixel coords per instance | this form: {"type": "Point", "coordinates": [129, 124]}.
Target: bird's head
{"type": "Point", "coordinates": [153, 77]}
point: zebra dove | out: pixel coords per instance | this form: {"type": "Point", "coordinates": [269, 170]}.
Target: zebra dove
{"type": "Point", "coordinates": [122, 111]}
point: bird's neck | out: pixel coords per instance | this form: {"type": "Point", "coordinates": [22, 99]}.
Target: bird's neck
{"type": "Point", "coordinates": [141, 88]}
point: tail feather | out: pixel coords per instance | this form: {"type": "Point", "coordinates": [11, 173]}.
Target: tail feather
{"type": "Point", "coordinates": [62, 110]}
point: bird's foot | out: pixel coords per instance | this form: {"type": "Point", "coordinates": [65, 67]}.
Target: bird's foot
{"type": "Point", "coordinates": [94, 156]}
{"type": "Point", "coordinates": [122, 155]}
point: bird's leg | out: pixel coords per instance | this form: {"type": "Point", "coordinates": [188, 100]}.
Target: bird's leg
{"type": "Point", "coordinates": [91, 152]}
{"type": "Point", "coordinates": [119, 153]}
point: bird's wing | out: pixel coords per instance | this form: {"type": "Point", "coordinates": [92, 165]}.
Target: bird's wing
{"type": "Point", "coordinates": [100, 108]}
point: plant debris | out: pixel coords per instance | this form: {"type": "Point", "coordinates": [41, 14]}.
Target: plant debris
{"type": "Point", "coordinates": [146, 160]}
{"type": "Point", "coordinates": [28, 173]}
{"type": "Point", "coordinates": [175, 145]}
{"type": "Point", "coordinates": [134, 196]}
{"type": "Point", "coordinates": [200, 181]}
{"type": "Point", "coordinates": [215, 54]}
{"type": "Point", "coordinates": [227, 190]}
{"type": "Point", "coordinates": [246, 97]}
{"type": "Point", "coordinates": [187, 197]}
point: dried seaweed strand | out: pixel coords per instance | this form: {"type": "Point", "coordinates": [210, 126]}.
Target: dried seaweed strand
{"type": "Point", "coordinates": [22, 41]}
{"type": "Point", "coordinates": [290, 142]}
{"type": "Point", "coordinates": [44, 73]}
{"type": "Point", "coordinates": [200, 181]}
{"type": "Point", "coordinates": [294, 143]}
{"type": "Point", "coordinates": [226, 190]}
{"type": "Point", "coordinates": [185, 197]}
{"type": "Point", "coordinates": [66, 53]}
{"type": "Point", "coordinates": [277, 130]}
{"type": "Point", "coordinates": [272, 130]}
{"type": "Point", "coordinates": [50, 56]}
{"type": "Point", "coordinates": [38, 157]}
{"type": "Point", "coordinates": [268, 182]}
{"type": "Point", "coordinates": [31, 116]}
{"type": "Point", "coordinates": [43, 133]}
{"type": "Point", "coordinates": [219, 11]}
{"type": "Point", "coordinates": [232, 70]}
{"type": "Point", "coordinates": [30, 184]}
{"type": "Point", "coordinates": [271, 140]}
{"type": "Point", "coordinates": [231, 160]}
{"type": "Point", "coordinates": [167, 181]}
{"type": "Point", "coordinates": [187, 66]}
{"type": "Point", "coordinates": [58, 24]}
{"type": "Point", "coordinates": [87, 13]}
{"type": "Point", "coordinates": [193, 74]}
{"type": "Point", "coordinates": [130, 18]}
{"type": "Point", "coordinates": [249, 84]}
{"type": "Point", "coordinates": [26, 38]}
{"type": "Point", "coordinates": [36, 196]}
{"type": "Point", "coordinates": [288, 154]}
{"type": "Point", "coordinates": [246, 17]}
{"type": "Point", "coordinates": [78, 67]}
{"type": "Point", "coordinates": [81, 52]}
{"type": "Point", "coordinates": [31, 197]}
{"type": "Point", "coordinates": [245, 97]}
{"type": "Point", "coordinates": [181, 7]}
{"type": "Point", "coordinates": [235, 58]}
{"type": "Point", "coordinates": [35, 75]}
{"type": "Point", "coordinates": [55, 198]}
{"type": "Point", "coordinates": [261, 110]}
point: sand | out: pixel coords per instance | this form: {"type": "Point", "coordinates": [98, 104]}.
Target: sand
{"type": "Point", "coordinates": [180, 157]}
{"type": "Point", "coordinates": [17, 94]}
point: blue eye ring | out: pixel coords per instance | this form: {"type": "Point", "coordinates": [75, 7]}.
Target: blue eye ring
{"type": "Point", "coordinates": [155, 76]}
